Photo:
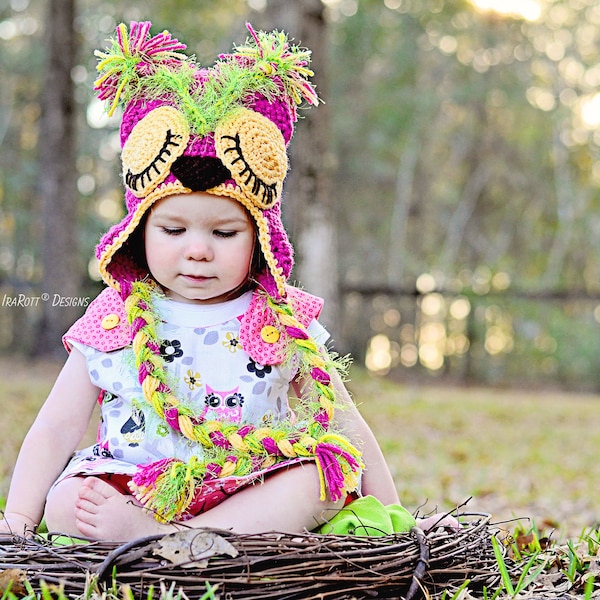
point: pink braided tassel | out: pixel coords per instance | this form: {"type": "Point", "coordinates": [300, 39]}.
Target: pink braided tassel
{"type": "Point", "coordinates": [146, 475]}
{"type": "Point", "coordinates": [329, 457]}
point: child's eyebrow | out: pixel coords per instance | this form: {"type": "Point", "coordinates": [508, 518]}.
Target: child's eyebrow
{"type": "Point", "coordinates": [234, 220]}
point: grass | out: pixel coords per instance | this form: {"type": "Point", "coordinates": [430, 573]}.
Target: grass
{"type": "Point", "coordinates": [518, 454]}
{"type": "Point", "coordinates": [528, 458]}
{"type": "Point", "coordinates": [53, 592]}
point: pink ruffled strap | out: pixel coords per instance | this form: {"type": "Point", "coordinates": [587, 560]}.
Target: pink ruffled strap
{"type": "Point", "coordinates": [103, 326]}
{"type": "Point", "coordinates": [268, 349]}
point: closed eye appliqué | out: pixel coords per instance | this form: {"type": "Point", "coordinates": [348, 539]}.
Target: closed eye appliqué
{"type": "Point", "coordinates": [153, 145]}
{"type": "Point", "coordinates": [253, 149]}
{"type": "Point", "coordinates": [144, 179]}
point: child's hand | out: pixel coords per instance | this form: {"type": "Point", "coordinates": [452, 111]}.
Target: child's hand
{"type": "Point", "coordinates": [439, 520]}
{"type": "Point", "coordinates": [16, 524]}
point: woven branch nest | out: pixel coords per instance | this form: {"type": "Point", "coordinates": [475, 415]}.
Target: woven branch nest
{"type": "Point", "coordinates": [267, 566]}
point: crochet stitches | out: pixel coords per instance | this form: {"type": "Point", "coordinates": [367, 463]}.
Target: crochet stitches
{"type": "Point", "coordinates": [167, 487]}
{"type": "Point", "coordinates": [139, 66]}
{"type": "Point", "coordinates": [131, 56]}
{"type": "Point", "coordinates": [252, 148]}
{"type": "Point", "coordinates": [152, 148]}
{"type": "Point", "coordinates": [222, 129]}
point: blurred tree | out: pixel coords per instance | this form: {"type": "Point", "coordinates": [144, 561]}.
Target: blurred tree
{"type": "Point", "coordinates": [309, 201]}
{"type": "Point", "coordinates": [61, 263]}
{"type": "Point", "coordinates": [461, 141]}
{"type": "Point", "coordinates": [20, 64]}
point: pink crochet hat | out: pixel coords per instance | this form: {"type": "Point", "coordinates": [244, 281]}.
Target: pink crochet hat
{"type": "Point", "coordinates": [223, 130]}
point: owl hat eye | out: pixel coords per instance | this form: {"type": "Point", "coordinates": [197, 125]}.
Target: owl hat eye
{"type": "Point", "coordinates": [223, 130]}
{"type": "Point", "coordinates": [154, 144]}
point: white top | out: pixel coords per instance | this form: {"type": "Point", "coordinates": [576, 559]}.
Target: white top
{"type": "Point", "coordinates": [209, 371]}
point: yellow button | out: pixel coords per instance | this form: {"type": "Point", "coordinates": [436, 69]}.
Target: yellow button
{"type": "Point", "coordinates": [269, 334]}
{"type": "Point", "coordinates": [110, 321]}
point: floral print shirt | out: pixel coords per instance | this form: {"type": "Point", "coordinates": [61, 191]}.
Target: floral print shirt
{"type": "Point", "coordinates": [209, 371]}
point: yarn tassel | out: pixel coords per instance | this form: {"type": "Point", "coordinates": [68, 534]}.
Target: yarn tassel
{"type": "Point", "coordinates": [338, 469]}
{"type": "Point", "coordinates": [166, 488]}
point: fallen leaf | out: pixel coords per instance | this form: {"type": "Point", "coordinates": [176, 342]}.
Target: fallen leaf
{"type": "Point", "coordinates": [524, 540]}
{"type": "Point", "coordinates": [13, 580]}
{"type": "Point", "coordinates": [193, 547]}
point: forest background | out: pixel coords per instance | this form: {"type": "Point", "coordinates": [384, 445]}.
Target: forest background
{"type": "Point", "coordinates": [444, 198]}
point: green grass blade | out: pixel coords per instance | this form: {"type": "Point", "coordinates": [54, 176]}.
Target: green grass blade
{"type": "Point", "coordinates": [506, 580]}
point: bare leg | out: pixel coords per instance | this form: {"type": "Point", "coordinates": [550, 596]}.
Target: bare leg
{"type": "Point", "coordinates": [59, 513]}
{"type": "Point", "coordinates": [104, 513]}
{"type": "Point", "coordinates": [287, 501]}
{"type": "Point", "coordinates": [76, 505]}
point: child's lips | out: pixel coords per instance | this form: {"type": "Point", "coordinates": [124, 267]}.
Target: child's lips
{"type": "Point", "coordinates": [197, 278]}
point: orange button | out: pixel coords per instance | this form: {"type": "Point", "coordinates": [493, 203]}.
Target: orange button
{"type": "Point", "coordinates": [269, 334]}
{"type": "Point", "coordinates": [110, 321]}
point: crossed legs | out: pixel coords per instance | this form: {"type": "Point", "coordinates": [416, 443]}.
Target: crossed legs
{"type": "Point", "coordinates": [287, 500]}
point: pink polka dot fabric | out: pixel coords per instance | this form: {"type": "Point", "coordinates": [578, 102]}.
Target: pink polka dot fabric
{"type": "Point", "coordinates": [90, 331]}
{"type": "Point", "coordinates": [306, 307]}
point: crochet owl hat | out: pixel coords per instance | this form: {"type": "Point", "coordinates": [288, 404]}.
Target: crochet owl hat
{"type": "Point", "coordinates": [223, 130]}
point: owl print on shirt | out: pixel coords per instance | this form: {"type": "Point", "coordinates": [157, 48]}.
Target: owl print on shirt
{"type": "Point", "coordinates": [134, 428]}
{"type": "Point", "coordinates": [225, 406]}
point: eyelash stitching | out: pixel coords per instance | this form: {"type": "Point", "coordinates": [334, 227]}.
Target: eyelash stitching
{"type": "Point", "coordinates": [133, 179]}
{"type": "Point", "coordinates": [269, 194]}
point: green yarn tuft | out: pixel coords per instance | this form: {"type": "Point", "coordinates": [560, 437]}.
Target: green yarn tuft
{"type": "Point", "coordinates": [266, 65]}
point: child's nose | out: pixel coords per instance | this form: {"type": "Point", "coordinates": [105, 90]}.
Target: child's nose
{"type": "Point", "coordinates": [199, 249]}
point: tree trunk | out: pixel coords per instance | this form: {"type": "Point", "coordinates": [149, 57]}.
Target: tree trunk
{"type": "Point", "coordinates": [309, 203]}
{"type": "Point", "coordinates": [57, 183]}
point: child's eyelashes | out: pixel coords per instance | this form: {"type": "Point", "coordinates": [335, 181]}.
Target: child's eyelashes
{"type": "Point", "coordinates": [224, 234]}
{"type": "Point", "coordinates": [173, 230]}
{"type": "Point", "coordinates": [220, 233]}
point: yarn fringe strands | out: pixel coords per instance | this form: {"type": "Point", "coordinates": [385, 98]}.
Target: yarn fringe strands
{"type": "Point", "coordinates": [167, 487]}
{"type": "Point", "coordinates": [267, 64]}
{"type": "Point", "coordinates": [133, 53]}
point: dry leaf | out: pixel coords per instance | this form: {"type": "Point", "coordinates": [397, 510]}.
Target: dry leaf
{"type": "Point", "coordinates": [13, 580]}
{"type": "Point", "coordinates": [524, 540]}
{"type": "Point", "coordinates": [193, 547]}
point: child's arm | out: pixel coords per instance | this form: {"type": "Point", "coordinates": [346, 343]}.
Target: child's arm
{"type": "Point", "coordinates": [54, 435]}
{"type": "Point", "coordinates": [377, 479]}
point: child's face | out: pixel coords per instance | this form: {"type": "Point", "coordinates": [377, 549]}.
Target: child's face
{"type": "Point", "coordinates": [198, 246]}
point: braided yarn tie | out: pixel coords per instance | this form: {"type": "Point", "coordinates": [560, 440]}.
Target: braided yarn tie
{"type": "Point", "coordinates": [167, 487]}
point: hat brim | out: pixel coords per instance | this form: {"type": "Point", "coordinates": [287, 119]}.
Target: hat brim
{"type": "Point", "coordinates": [115, 265]}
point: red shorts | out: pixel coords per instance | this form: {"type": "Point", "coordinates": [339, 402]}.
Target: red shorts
{"type": "Point", "coordinates": [208, 496]}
